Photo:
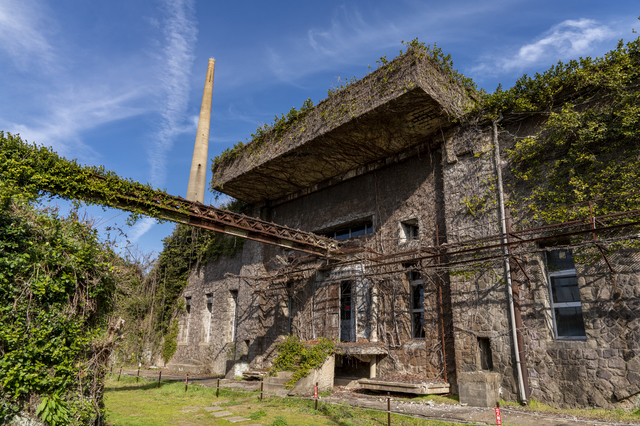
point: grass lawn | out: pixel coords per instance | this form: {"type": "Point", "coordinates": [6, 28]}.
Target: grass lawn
{"type": "Point", "coordinates": [143, 404]}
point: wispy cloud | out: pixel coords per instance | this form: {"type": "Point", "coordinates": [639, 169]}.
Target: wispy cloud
{"type": "Point", "coordinates": [569, 39]}
{"type": "Point", "coordinates": [140, 228]}
{"type": "Point", "coordinates": [22, 37]}
{"type": "Point", "coordinates": [75, 111]}
{"type": "Point", "coordinates": [353, 35]}
{"type": "Point", "coordinates": [180, 33]}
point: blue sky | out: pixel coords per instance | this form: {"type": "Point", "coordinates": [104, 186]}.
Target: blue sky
{"type": "Point", "coordinates": [119, 83]}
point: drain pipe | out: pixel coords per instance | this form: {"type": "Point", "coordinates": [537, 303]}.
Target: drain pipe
{"type": "Point", "coordinates": [507, 266]}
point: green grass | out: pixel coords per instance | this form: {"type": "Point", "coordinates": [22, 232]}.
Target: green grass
{"type": "Point", "coordinates": [588, 413]}
{"type": "Point", "coordinates": [143, 404]}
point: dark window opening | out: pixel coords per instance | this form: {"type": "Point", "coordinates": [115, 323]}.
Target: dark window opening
{"type": "Point", "coordinates": [350, 231]}
{"type": "Point", "coordinates": [486, 357]}
{"type": "Point", "coordinates": [210, 303]}
{"type": "Point", "coordinates": [345, 312]}
{"type": "Point", "coordinates": [417, 305]}
{"type": "Point", "coordinates": [187, 304]}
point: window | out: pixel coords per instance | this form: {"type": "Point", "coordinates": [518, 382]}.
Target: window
{"type": "Point", "coordinates": [187, 306]}
{"type": "Point", "coordinates": [233, 305]}
{"type": "Point", "coordinates": [208, 323]}
{"type": "Point", "coordinates": [409, 231]}
{"type": "Point", "coordinates": [417, 305]}
{"type": "Point", "coordinates": [351, 231]}
{"type": "Point", "coordinates": [566, 307]}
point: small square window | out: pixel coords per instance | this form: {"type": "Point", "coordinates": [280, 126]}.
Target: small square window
{"type": "Point", "coordinates": [409, 231]}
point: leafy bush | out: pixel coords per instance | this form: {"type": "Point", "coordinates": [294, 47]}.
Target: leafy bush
{"type": "Point", "coordinates": [294, 355]}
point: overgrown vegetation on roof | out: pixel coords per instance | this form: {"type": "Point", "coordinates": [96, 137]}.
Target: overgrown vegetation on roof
{"type": "Point", "coordinates": [341, 104]}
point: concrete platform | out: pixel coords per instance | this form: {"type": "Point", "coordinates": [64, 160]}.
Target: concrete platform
{"type": "Point", "coordinates": [413, 388]}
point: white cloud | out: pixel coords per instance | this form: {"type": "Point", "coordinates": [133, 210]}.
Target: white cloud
{"type": "Point", "coordinates": [569, 39]}
{"type": "Point", "coordinates": [75, 111]}
{"type": "Point", "coordinates": [21, 32]}
{"type": "Point", "coordinates": [180, 32]}
{"type": "Point", "coordinates": [140, 228]}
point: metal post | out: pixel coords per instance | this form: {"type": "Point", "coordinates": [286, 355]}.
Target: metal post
{"type": "Point", "coordinates": [218, 389]}
{"type": "Point", "coordinates": [159, 378]}
{"type": "Point", "coordinates": [261, 387]}
{"type": "Point", "coordinates": [388, 408]}
{"type": "Point", "coordinates": [138, 375]}
{"type": "Point", "coordinates": [186, 382]}
{"type": "Point", "coordinates": [119, 373]}
{"type": "Point", "coordinates": [315, 394]}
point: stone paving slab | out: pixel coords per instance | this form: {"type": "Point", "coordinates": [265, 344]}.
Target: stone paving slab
{"type": "Point", "coordinates": [216, 408]}
{"type": "Point", "coordinates": [236, 419]}
{"type": "Point", "coordinates": [222, 414]}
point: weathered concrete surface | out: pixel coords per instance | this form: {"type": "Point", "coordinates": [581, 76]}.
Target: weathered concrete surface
{"type": "Point", "coordinates": [413, 388]}
{"type": "Point", "coordinates": [200, 162]}
{"type": "Point", "coordinates": [323, 376]}
{"type": "Point", "coordinates": [479, 389]}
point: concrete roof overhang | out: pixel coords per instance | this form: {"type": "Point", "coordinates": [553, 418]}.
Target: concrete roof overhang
{"type": "Point", "coordinates": [383, 114]}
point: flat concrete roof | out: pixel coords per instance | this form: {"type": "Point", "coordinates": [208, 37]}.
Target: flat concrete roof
{"type": "Point", "coordinates": [396, 107]}
{"type": "Point", "coordinates": [362, 348]}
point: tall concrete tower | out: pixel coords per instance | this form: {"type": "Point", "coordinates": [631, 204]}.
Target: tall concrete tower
{"type": "Point", "coordinates": [198, 176]}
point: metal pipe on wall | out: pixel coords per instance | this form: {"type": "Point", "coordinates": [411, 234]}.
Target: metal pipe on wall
{"type": "Point", "coordinates": [507, 266]}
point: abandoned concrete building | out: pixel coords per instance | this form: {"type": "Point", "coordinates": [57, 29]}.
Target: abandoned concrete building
{"type": "Point", "coordinates": [433, 277]}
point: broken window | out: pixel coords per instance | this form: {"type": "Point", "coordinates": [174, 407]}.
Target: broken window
{"type": "Point", "coordinates": [417, 305]}
{"type": "Point", "coordinates": [409, 231]}
{"type": "Point", "coordinates": [566, 307]}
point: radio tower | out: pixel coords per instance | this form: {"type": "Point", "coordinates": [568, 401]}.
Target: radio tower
{"type": "Point", "coordinates": [198, 174]}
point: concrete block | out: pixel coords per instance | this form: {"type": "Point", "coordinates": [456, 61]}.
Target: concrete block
{"type": "Point", "coordinates": [479, 389]}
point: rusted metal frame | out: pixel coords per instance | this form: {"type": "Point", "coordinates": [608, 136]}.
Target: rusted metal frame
{"type": "Point", "coordinates": [518, 314]}
{"type": "Point", "coordinates": [233, 224]}
{"type": "Point", "coordinates": [514, 243]}
{"type": "Point", "coordinates": [444, 353]}
{"type": "Point", "coordinates": [593, 226]}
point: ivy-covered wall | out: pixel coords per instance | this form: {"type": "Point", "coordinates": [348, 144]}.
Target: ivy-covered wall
{"type": "Point", "coordinates": [57, 285]}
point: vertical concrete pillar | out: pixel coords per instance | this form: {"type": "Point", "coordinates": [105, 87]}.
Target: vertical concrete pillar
{"type": "Point", "coordinates": [198, 175]}
{"type": "Point", "coordinates": [373, 366]}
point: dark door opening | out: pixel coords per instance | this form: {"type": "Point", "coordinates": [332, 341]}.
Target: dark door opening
{"type": "Point", "coordinates": [346, 321]}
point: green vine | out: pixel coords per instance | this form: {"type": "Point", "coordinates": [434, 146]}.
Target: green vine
{"type": "Point", "coordinates": [589, 144]}
{"type": "Point", "coordinates": [294, 355]}
{"type": "Point", "coordinates": [31, 171]}
{"type": "Point", "coordinates": [57, 282]}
